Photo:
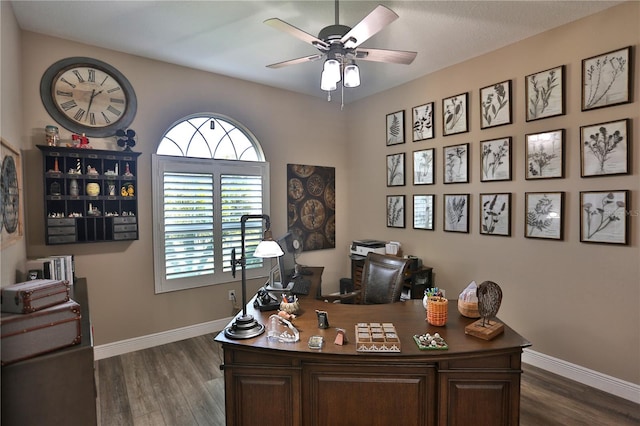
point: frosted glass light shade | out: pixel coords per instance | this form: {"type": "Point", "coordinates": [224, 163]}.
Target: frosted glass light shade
{"type": "Point", "coordinates": [351, 76]}
{"type": "Point", "coordinates": [268, 248]}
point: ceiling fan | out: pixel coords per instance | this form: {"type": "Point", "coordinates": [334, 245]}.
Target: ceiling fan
{"type": "Point", "coordinates": [339, 45]}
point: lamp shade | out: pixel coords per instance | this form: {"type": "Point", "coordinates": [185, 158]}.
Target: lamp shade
{"type": "Point", "coordinates": [351, 75]}
{"type": "Point", "coordinates": [327, 83]}
{"type": "Point", "coordinates": [268, 248]}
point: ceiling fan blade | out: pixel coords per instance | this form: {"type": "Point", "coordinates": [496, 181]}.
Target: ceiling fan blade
{"type": "Point", "coordinates": [279, 24]}
{"type": "Point", "coordinates": [295, 61]}
{"type": "Point", "coordinates": [383, 55]}
{"type": "Point", "coordinates": [379, 18]}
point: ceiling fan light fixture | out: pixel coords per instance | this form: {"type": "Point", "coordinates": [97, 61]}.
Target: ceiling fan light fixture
{"type": "Point", "coordinates": [332, 69]}
{"type": "Point", "coordinates": [327, 81]}
{"type": "Point", "coordinates": [351, 75]}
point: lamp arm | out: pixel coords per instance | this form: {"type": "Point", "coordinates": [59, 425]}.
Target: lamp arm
{"type": "Point", "coordinates": [243, 259]}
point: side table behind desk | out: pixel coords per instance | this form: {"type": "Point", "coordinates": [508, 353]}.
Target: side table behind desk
{"type": "Point", "coordinates": [272, 383]}
{"type": "Point", "coordinates": [57, 388]}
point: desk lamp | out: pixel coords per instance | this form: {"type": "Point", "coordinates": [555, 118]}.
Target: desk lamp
{"type": "Point", "coordinates": [245, 326]}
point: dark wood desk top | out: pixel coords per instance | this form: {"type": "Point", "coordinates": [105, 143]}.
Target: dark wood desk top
{"type": "Point", "coordinates": [408, 317]}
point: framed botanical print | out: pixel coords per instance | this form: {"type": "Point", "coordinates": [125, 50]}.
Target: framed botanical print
{"type": "Point", "coordinates": [423, 211]}
{"type": "Point", "coordinates": [544, 92]}
{"type": "Point", "coordinates": [544, 215]}
{"type": "Point", "coordinates": [606, 79]}
{"type": "Point", "coordinates": [424, 166]}
{"type": "Point", "coordinates": [544, 153]}
{"type": "Point", "coordinates": [603, 217]}
{"type": "Point", "coordinates": [604, 148]}
{"type": "Point", "coordinates": [456, 212]}
{"type": "Point", "coordinates": [495, 159]}
{"type": "Point", "coordinates": [395, 128]}
{"type": "Point", "coordinates": [456, 163]}
{"type": "Point", "coordinates": [495, 105]}
{"type": "Point", "coordinates": [455, 114]}
{"type": "Point", "coordinates": [395, 211]}
{"type": "Point", "coordinates": [495, 214]}
{"type": "Point", "coordinates": [423, 122]}
{"type": "Point", "coordinates": [395, 169]}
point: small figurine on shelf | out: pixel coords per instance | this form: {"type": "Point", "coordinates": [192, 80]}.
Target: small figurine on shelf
{"type": "Point", "coordinates": [91, 170]}
{"type": "Point", "coordinates": [126, 139]}
{"type": "Point", "coordinates": [77, 170]}
{"type": "Point", "coordinates": [127, 171]}
{"type": "Point", "coordinates": [80, 141]}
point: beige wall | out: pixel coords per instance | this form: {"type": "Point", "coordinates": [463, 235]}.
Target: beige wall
{"type": "Point", "coordinates": [11, 255]}
{"type": "Point", "coordinates": [578, 302]}
{"type": "Point", "coordinates": [291, 128]}
{"type": "Point", "coordinates": [574, 301]}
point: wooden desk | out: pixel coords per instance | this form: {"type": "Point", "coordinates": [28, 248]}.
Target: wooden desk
{"type": "Point", "coordinates": [473, 382]}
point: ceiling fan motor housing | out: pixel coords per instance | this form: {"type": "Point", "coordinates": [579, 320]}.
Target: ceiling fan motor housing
{"type": "Point", "coordinates": [333, 33]}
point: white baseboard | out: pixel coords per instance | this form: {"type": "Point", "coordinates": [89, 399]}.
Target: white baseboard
{"type": "Point", "coordinates": [603, 382]}
{"type": "Point", "coordinates": [149, 341]}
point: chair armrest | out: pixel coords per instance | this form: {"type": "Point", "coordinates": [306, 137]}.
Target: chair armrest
{"type": "Point", "coordinates": [340, 298]}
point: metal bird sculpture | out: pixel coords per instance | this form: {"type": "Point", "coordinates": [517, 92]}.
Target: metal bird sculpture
{"type": "Point", "coordinates": [489, 299]}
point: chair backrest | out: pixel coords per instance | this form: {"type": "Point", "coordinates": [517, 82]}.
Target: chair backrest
{"type": "Point", "coordinates": [382, 278]}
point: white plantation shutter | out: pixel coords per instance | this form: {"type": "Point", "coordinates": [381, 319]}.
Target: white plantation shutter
{"type": "Point", "coordinates": [198, 203]}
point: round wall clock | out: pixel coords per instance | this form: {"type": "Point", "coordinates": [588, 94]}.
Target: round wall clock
{"type": "Point", "coordinates": [9, 194]}
{"type": "Point", "coordinates": [85, 95]}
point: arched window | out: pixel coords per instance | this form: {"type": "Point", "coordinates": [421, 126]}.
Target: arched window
{"type": "Point", "coordinates": [208, 171]}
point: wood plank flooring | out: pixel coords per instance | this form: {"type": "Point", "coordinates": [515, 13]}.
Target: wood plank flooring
{"type": "Point", "coordinates": [181, 384]}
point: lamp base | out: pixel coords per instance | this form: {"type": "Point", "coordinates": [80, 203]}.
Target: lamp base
{"type": "Point", "coordinates": [244, 327]}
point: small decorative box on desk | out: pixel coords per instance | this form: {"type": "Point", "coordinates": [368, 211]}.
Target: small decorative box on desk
{"type": "Point", "coordinates": [377, 337]}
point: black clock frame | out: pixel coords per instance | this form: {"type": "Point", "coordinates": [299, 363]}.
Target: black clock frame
{"type": "Point", "coordinates": [46, 94]}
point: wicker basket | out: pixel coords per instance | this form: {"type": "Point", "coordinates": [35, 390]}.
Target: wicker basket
{"type": "Point", "coordinates": [468, 309]}
{"type": "Point", "coordinates": [437, 308]}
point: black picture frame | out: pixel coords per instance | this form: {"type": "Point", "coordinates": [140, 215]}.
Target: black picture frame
{"type": "Point", "coordinates": [456, 212]}
{"type": "Point", "coordinates": [422, 117]}
{"type": "Point", "coordinates": [424, 165]}
{"type": "Point", "coordinates": [424, 207]}
{"type": "Point", "coordinates": [396, 169]}
{"type": "Point", "coordinates": [455, 114]}
{"type": "Point", "coordinates": [495, 105]}
{"type": "Point", "coordinates": [544, 215]}
{"type": "Point", "coordinates": [545, 93]}
{"type": "Point", "coordinates": [456, 163]}
{"type": "Point", "coordinates": [607, 79]}
{"type": "Point", "coordinates": [495, 159]}
{"type": "Point", "coordinates": [495, 214]}
{"type": "Point", "coordinates": [544, 155]}
{"type": "Point", "coordinates": [604, 149]}
{"type": "Point", "coordinates": [395, 211]}
{"type": "Point", "coordinates": [395, 128]}
{"type": "Point", "coordinates": [603, 217]}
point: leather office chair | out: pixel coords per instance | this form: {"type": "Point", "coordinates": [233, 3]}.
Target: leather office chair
{"type": "Point", "coordinates": [382, 278]}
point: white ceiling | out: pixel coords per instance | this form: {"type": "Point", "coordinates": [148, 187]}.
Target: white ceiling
{"type": "Point", "coordinates": [230, 38]}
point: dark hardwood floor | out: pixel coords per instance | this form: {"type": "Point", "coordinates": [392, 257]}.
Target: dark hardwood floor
{"type": "Point", "coordinates": [180, 384]}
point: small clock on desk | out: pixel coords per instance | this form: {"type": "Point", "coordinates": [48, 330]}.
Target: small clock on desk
{"type": "Point", "coordinates": [88, 96]}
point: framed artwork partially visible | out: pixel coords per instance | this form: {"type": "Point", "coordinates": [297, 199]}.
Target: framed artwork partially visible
{"type": "Point", "coordinates": [495, 105]}
{"type": "Point", "coordinates": [544, 153]}
{"type": "Point", "coordinates": [11, 215]}
{"type": "Point", "coordinates": [395, 211]}
{"type": "Point", "coordinates": [495, 214]}
{"type": "Point", "coordinates": [544, 215]}
{"type": "Point", "coordinates": [395, 169]}
{"type": "Point", "coordinates": [456, 163]}
{"type": "Point", "coordinates": [423, 211]}
{"type": "Point", "coordinates": [604, 149]}
{"type": "Point", "coordinates": [603, 217]}
{"type": "Point", "coordinates": [455, 114]}
{"type": "Point", "coordinates": [456, 212]}
{"type": "Point", "coordinates": [606, 79]}
{"type": "Point", "coordinates": [544, 92]}
{"type": "Point", "coordinates": [424, 166]}
{"type": "Point", "coordinates": [495, 159]}
{"type": "Point", "coordinates": [395, 128]}
{"type": "Point", "coordinates": [423, 122]}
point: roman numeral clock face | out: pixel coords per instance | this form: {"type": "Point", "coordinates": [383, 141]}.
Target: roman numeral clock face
{"type": "Point", "coordinates": [88, 96]}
